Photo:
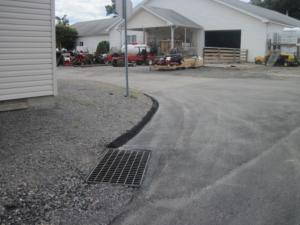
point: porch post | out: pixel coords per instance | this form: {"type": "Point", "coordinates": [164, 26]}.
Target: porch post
{"type": "Point", "coordinates": [172, 37]}
{"type": "Point", "coordinates": [144, 35]}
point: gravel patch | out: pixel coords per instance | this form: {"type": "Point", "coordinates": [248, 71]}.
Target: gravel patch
{"type": "Point", "coordinates": [46, 154]}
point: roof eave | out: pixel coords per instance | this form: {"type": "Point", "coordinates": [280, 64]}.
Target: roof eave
{"type": "Point", "coordinates": [282, 24]}
{"type": "Point", "coordinates": [114, 24]}
{"type": "Point", "coordinates": [264, 20]}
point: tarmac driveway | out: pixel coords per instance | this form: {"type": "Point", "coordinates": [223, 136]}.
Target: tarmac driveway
{"type": "Point", "coordinates": [224, 151]}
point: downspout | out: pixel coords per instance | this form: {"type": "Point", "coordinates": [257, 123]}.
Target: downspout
{"type": "Point", "coordinates": [172, 36]}
{"type": "Point", "coordinates": [120, 38]}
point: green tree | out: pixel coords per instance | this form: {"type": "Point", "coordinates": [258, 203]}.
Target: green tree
{"type": "Point", "coordinates": [101, 48]}
{"type": "Point", "coordinates": [106, 43]}
{"type": "Point", "coordinates": [282, 6]}
{"type": "Point", "coordinates": [111, 9]}
{"type": "Point", "coordinates": [65, 36]}
{"type": "Point", "coordinates": [62, 21]}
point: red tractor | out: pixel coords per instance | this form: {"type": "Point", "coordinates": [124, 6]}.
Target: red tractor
{"type": "Point", "coordinates": [144, 57]}
{"type": "Point", "coordinates": [119, 60]}
{"type": "Point", "coordinates": [79, 59]}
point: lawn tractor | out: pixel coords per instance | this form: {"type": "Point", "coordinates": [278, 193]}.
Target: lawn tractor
{"type": "Point", "coordinates": [103, 59]}
{"type": "Point", "coordinates": [283, 60]}
{"type": "Point", "coordinates": [119, 60]}
{"type": "Point", "coordinates": [79, 59]}
{"type": "Point", "coordinates": [144, 57]}
{"type": "Point", "coordinates": [172, 59]}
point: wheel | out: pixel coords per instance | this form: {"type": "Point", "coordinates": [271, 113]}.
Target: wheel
{"type": "Point", "coordinates": [147, 61]}
{"type": "Point", "coordinates": [106, 61]}
{"type": "Point", "coordinates": [134, 63]}
{"type": "Point", "coordinates": [150, 62]}
{"type": "Point", "coordinates": [181, 61]}
{"type": "Point", "coordinates": [258, 62]}
{"type": "Point", "coordinates": [121, 63]}
{"type": "Point", "coordinates": [114, 63]}
{"type": "Point", "coordinates": [139, 62]}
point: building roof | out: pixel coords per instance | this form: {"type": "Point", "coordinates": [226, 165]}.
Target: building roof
{"type": "Point", "coordinates": [262, 13]}
{"type": "Point", "coordinates": [266, 15]}
{"type": "Point", "coordinates": [94, 27]}
{"type": "Point", "coordinates": [171, 17]}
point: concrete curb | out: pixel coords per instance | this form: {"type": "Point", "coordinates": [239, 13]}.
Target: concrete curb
{"type": "Point", "coordinates": [124, 138]}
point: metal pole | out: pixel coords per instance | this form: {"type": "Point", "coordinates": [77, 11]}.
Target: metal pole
{"type": "Point", "coordinates": [126, 50]}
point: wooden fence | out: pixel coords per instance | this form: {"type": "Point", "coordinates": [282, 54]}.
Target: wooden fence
{"type": "Point", "coordinates": [224, 55]}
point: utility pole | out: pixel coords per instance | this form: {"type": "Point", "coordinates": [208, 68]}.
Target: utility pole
{"type": "Point", "coordinates": [126, 49]}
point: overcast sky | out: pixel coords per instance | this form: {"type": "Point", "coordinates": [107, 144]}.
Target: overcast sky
{"type": "Point", "coordinates": [83, 10]}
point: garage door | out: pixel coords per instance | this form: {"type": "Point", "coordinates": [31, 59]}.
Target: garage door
{"type": "Point", "coordinates": [223, 39]}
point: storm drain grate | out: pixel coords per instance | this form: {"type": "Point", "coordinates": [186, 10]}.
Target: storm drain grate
{"type": "Point", "coordinates": [121, 167]}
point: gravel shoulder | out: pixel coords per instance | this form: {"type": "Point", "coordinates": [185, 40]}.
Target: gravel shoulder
{"type": "Point", "coordinates": [46, 154]}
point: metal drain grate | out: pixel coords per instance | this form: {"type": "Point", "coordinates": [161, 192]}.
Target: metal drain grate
{"type": "Point", "coordinates": [121, 167]}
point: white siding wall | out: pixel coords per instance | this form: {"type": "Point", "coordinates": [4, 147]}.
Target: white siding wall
{"type": "Point", "coordinates": [145, 19]}
{"type": "Point", "coordinates": [91, 42]}
{"type": "Point", "coordinates": [215, 16]}
{"type": "Point", "coordinates": [27, 49]}
{"type": "Point", "coordinates": [114, 37]}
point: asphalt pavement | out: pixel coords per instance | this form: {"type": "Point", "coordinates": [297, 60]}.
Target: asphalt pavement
{"type": "Point", "coordinates": [224, 151]}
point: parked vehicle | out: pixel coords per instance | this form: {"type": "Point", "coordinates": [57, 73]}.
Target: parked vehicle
{"type": "Point", "coordinates": [119, 60]}
{"type": "Point", "coordinates": [172, 59]}
{"type": "Point", "coordinates": [283, 60]}
{"type": "Point", "coordinates": [103, 59]}
{"type": "Point", "coordinates": [144, 57]}
{"type": "Point", "coordinates": [79, 59]}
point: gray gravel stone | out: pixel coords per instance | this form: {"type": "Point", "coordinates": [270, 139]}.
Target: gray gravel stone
{"type": "Point", "coordinates": [45, 156]}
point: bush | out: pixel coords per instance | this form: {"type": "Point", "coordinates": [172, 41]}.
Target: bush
{"type": "Point", "coordinates": [101, 49]}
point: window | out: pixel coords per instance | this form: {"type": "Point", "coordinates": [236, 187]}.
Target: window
{"type": "Point", "coordinates": [80, 43]}
{"type": "Point", "coordinates": [131, 38]}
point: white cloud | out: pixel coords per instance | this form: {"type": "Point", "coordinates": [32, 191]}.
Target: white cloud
{"type": "Point", "coordinates": [78, 10]}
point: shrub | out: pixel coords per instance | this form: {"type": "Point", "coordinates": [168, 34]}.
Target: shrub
{"type": "Point", "coordinates": [101, 48]}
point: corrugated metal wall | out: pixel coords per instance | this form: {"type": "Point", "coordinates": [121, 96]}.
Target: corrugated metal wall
{"type": "Point", "coordinates": [27, 49]}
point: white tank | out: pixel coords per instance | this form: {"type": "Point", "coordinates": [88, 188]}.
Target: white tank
{"type": "Point", "coordinates": [134, 49]}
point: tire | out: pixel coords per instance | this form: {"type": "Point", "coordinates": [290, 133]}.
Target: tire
{"type": "Point", "coordinates": [114, 63]}
{"type": "Point", "coordinates": [258, 62]}
{"type": "Point", "coordinates": [106, 61]}
{"type": "Point", "coordinates": [134, 63]}
{"type": "Point", "coordinates": [150, 62]}
{"type": "Point", "coordinates": [147, 61]}
{"type": "Point", "coordinates": [138, 62]}
{"type": "Point", "coordinates": [121, 63]}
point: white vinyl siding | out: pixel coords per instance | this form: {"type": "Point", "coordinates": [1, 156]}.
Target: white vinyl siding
{"type": "Point", "coordinates": [145, 19]}
{"type": "Point", "coordinates": [213, 16]}
{"type": "Point", "coordinates": [91, 42]}
{"type": "Point", "coordinates": [27, 49]}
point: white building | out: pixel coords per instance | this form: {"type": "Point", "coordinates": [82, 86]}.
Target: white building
{"type": "Point", "coordinates": [221, 23]}
{"type": "Point", "coordinates": [90, 33]}
{"type": "Point", "coordinates": [27, 54]}
{"type": "Point", "coordinates": [196, 23]}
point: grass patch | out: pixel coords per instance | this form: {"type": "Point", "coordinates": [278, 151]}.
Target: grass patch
{"type": "Point", "coordinates": [76, 125]}
{"type": "Point", "coordinates": [133, 96]}
{"type": "Point", "coordinates": [131, 92]}
{"type": "Point", "coordinates": [88, 103]}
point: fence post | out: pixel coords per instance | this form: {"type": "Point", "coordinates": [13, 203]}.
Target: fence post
{"type": "Point", "coordinates": [234, 56]}
{"type": "Point", "coordinates": [247, 55]}
{"type": "Point", "coordinates": [219, 56]}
